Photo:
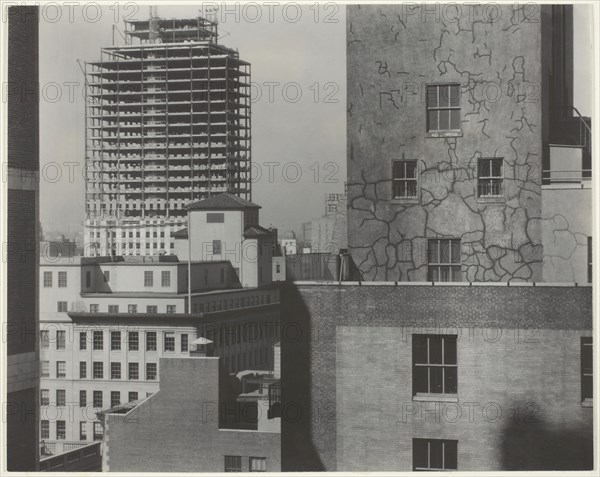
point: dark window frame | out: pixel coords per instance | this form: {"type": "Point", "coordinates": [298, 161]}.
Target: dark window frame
{"type": "Point", "coordinates": [442, 109]}
{"type": "Point", "coordinates": [441, 353]}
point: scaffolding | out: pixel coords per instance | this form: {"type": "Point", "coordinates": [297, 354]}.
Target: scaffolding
{"type": "Point", "coordinates": [167, 123]}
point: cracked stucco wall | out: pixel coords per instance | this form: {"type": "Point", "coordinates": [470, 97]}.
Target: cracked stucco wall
{"type": "Point", "coordinates": [392, 55]}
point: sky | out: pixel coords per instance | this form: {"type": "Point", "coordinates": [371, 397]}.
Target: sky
{"type": "Point", "coordinates": [298, 111]}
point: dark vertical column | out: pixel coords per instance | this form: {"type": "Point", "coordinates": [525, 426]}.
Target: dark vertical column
{"type": "Point", "coordinates": [22, 235]}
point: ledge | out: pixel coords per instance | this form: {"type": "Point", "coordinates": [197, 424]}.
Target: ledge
{"type": "Point", "coordinates": [443, 134]}
{"type": "Point", "coordinates": [435, 398]}
{"type": "Point", "coordinates": [439, 284]}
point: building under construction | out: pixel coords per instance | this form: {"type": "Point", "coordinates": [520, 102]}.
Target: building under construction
{"type": "Point", "coordinates": [167, 123]}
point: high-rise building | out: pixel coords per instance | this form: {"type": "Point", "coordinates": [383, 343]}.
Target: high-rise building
{"type": "Point", "coordinates": [167, 123]}
{"type": "Point", "coordinates": [20, 409]}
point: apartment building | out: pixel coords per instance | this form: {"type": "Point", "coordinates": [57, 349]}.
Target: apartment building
{"type": "Point", "coordinates": [167, 124]}
{"type": "Point", "coordinates": [464, 147]}
{"type": "Point", "coordinates": [106, 321]}
{"type": "Point", "coordinates": [465, 342]}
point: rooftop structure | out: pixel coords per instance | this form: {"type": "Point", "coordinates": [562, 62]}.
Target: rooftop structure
{"type": "Point", "coordinates": [167, 124]}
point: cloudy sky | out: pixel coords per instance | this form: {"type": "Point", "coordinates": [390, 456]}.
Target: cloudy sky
{"type": "Point", "coordinates": [298, 117]}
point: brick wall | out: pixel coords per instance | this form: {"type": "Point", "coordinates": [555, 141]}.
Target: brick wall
{"type": "Point", "coordinates": [177, 429]}
{"type": "Point", "coordinates": [350, 370]}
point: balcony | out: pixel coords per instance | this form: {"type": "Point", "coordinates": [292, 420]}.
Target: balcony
{"type": "Point", "coordinates": [568, 168]}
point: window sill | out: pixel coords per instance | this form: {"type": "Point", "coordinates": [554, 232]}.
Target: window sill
{"type": "Point", "coordinates": [407, 200]}
{"type": "Point", "coordinates": [491, 200]}
{"type": "Point", "coordinates": [587, 403]}
{"type": "Point", "coordinates": [442, 134]}
{"type": "Point", "coordinates": [436, 397]}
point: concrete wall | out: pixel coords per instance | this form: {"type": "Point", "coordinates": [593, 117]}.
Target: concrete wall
{"type": "Point", "coordinates": [189, 396]}
{"type": "Point", "coordinates": [393, 53]}
{"type": "Point", "coordinates": [351, 369]}
{"type": "Point", "coordinates": [566, 224]}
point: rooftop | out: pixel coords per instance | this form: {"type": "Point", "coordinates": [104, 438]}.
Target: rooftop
{"type": "Point", "coordinates": [223, 201]}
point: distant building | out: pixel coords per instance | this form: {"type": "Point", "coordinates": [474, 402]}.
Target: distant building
{"type": "Point", "coordinates": [106, 321]}
{"type": "Point", "coordinates": [328, 233]}
{"type": "Point", "coordinates": [167, 124]}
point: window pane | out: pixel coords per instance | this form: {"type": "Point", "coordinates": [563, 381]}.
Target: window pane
{"type": "Point", "coordinates": [455, 95]}
{"type": "Point", "coordinates": [436, 454]}
{"type": "Point", "coordinates": [450, 454]}
{"type": "Point", "coordinates": [455, 119]}
{"type": "Point", "coordinates": [433, 251]}
{"type": "Point", "coordinates": [450, 384]}
{"type": "Point", "coordinates": [444, 97]}
{"type": "Point", "coordinates": [432, 96]}
{"type": "Point", "coordinates": [436, 378]}
{"type": "Point", "coordinates": [456, 274]}
{"type": "Point", "coordinates": [450, 350]}
{"type": "Point", "coordinates": [411, 169]}
{"type": "Point", "coordinates": [419, 453]}
{"type": "Point", "coordinates": [497, 167]}
{"type": "Point", "coordinates": [435, 349]}
{"type": "Point", "coordinates": [420, 380]}
{"type": "Point", "coordinates": [444, 119]}
{"type": "Point", "coordinates": [587, 387]}
{"type": "Point", "coordinates": [454, 251]}
{"type": "Point", "coordinates": [432, 120]}
{"type": "Point", "coordinates": [419, 346]}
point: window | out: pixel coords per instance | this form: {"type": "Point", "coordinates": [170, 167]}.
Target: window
{"type": "Point", "coordinates": [443, 107]}
{"type": "Point", "coordinates": [150, 340]}
{"type": "Point", "coordinates": [589, 259]}
{"type": "Point", "coordinates": [83, 431]}
{"type": "Point", "coordinates": [233, 463]}
{"type": "Point", "coordinates": [61, 369]}
{"type": "Point", "coordinates": [62, 279]}
{"type": "Point", "coordinates": [98, 340]}
{"type": "Point", "coordinates": [115, 340]}
{"type": "Point", "coordinates": [148, 279]}
{"type": "Point", "coordinates": [61, 397]}
{"type": "Point", "coordinates": [165, 278]}
{"type": "Point", "coordinates": [115, 370]}
{"type": "Point", "coordinates": [134, 341]}
{"type": "Point", "coordinates": [278, 268]}
{"type": "Point", "coordinates": [97, 431]}
{"type": "Point", "coordinates": [444, 260]}
{"type": "Point", "coordinates": [151, 371]}
{"type": "Point", "coordinates": [587, 368]}
{"type": "Point", "coordinates": [61, 430]}
{"type": "Point", "coordinates": [45, 429]}
{"type": "Point", "coordinates": [94, 308]}
{"type": "Point", "coordinates": [106, 276]}
{"type": "Point", "coordinates": [45, 339]}
{"type": "Point", "coordinates": [171, 308]}
{"type": "Point", "coordinates": [97, 398]}
{"type": "Point", "coordinates": [434, 454]}
{"type": "Point", "coordinates": [61, 306]}
{"type": "Point", "coordinates": [133, 396]}
{"type": "Point", "coordinates": [82, 398]}
{"type": "Point", "coordinates": [184, 343]}
{"type": "Point", "coordinates": [98, 370]}
{"type": "Point", "coordinates": [44, 397]}
{"type": "Point", "coordinates": [131, 308]}
{"type": "Point", "coordinates": [88, 279]}
{"type": "Point", "coordinates": [404, 179]}
{"type": "Point", "coordinates": [45, 369]}
{"type": "Point", "coordinates": [151, 309]}
{"type": "Point", "coordinates": [82, 340]}
{"type": "Point", "coordinates": [490, 178]}
{"type": "Point", "coordinates": [47, 279]}
{"type": "Point", "coordinates": [113, 308]}
{"type": "Point", "coordinates": [134, 371]}
{"type": "Point", "coordinates": [82, 370]}
{"type": "Point", "coordinates": [61, 339]}
{"type": "Point", "coordinates": [222, 275]}
{"type": "Point", "coordinates": [258, 464]}
{"type": "Point", "coordinates": [434, 364]}
{"type": "Point", "coordinates": [115, 398]}
{"type": "Point", "coordinates": [169, 341]}
{"type": "Point", "coordinates": [216, 248]}
{"type": "Point", "coordinates": [215, 218]}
